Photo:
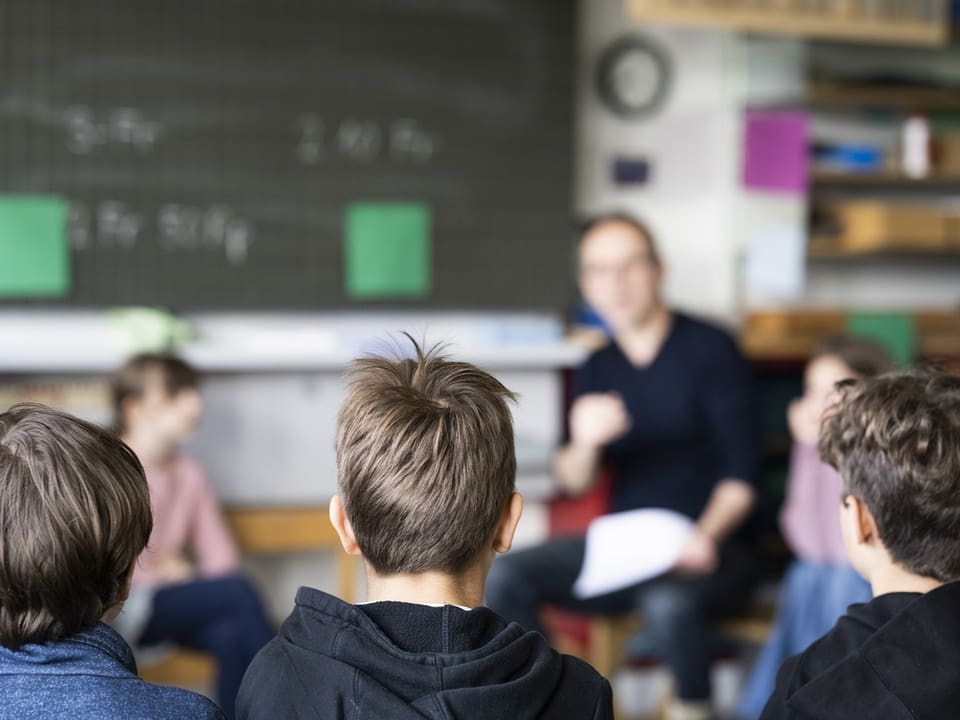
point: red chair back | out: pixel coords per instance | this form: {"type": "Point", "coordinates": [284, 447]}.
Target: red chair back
{"type": "Point", "coordinates": [572, 516]}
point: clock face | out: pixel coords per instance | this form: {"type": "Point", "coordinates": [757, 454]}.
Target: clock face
{"type": "Point", "coordinates": [632, 77]}
{"type": "Point", "coordinates": [635, 78]}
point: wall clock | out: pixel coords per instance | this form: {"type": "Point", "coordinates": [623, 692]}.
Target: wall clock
{"type": "Point", "coordinates": [633, 76]}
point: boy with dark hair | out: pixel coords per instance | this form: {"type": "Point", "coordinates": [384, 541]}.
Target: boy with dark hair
{"type": "Point", "coordinates": [895, 440]}
{"type": "Point", "coordinates": [426, 470]}
{"type": "Point", "coordinates": [820, 584]}
{"type": "Point", "coordinates": [74, 517]}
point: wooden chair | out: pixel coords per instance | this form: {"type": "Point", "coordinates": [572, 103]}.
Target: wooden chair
{"type": "Point", "coordinates": [603, 641]}
{"type": "Point", "coordinates": [610, 636]}
{"type": "Point", "coordinates": [573, 633]}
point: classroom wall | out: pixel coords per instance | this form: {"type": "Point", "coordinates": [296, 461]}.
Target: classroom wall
{"type": "Point", "coordinates": [691, 143]}
{"type": "Point", "coordinates": [705, 220]}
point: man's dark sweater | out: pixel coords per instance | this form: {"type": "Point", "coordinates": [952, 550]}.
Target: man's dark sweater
{"type": "Point", "coordinates": [894, 658]}
{"type": "Point", "coordinates": [404, 661]}
{"type": "Point", "coordinates": [691, 415]}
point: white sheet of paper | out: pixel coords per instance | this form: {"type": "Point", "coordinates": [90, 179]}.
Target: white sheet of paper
{"type": "Point", "coordinates": [775, 267]}
{"type": "Point", "coordinates": [630, 547]}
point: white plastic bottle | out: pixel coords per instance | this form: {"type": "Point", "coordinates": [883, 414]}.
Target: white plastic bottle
{"type": "Point", "coordinates": [915, 147]}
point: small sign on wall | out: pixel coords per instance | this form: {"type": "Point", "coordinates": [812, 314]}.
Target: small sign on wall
{"type": "Point", "coordinates": [630, 171]}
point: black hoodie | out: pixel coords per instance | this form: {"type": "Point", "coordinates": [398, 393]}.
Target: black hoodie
{"type": "Point", "coordinates": [401, 661]}
{"type": "Point", "coordinates": [894, 658]}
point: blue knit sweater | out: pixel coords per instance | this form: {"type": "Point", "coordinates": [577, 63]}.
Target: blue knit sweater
{"type": "Point", "coordinates": [89, 676]}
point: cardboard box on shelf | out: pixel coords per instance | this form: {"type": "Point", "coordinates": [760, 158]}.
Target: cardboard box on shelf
{"type": "Point", "coordinates": [946, 157]}
{"type": "Point", "coordinates": [953, 231]}
{"type": "Point", "coordinates": [951, 218]}
{"type": "Point", "coordinates": [872, 225]}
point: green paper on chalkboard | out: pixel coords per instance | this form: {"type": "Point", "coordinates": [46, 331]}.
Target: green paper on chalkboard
{"type": "Point", "coordinates": [387, 250]}
{"type": "Point", "coordinates": [895, 331]}
{"type": "Point", "coordinates": [34, 252]}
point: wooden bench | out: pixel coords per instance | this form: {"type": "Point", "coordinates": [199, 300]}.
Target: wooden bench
{"type": "Point", "coordinates": [603, 641]}
{"type": "Point", "coordinates": [259, 531]}
{"type": "Point", "coordinates": [608, 638]}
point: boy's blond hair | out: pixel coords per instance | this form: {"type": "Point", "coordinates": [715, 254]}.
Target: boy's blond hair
{"type": "Point", "coordinates": [425, 461]}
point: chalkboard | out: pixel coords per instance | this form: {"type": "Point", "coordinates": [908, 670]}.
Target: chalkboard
{"type": "Point", "coordinates": [210, 152]}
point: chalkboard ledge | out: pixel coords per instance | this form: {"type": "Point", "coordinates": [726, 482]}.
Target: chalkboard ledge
{"type": "Point", "coordinates": [86, 343]}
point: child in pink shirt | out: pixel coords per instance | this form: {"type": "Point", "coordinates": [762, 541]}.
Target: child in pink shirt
{"type": "Point", "coordinates": [820, 583]}
{"type": "Point", "coordinates": [186, 588]}
{"type": "Point", "coordinates": [810, 518]}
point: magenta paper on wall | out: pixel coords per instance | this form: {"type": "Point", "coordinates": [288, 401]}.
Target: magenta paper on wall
{"type": "Point", "coordinates": [776, 158]}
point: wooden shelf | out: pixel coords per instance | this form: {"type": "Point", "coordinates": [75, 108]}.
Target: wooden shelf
{"type": "Point", "coordinates": [902, 99]}
{"type": "Point", "coordinates": [794, 334]}
{"type": "Point", "coordinates": [883, 179]}
{"type": "Point", "coordinates": [851, 20]}
{"type": "Point", "coordinates": [890, 97]}
{"type": "Point", "coordinates": [829, 250]}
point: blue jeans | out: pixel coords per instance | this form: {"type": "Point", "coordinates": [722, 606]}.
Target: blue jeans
{"type": "Point", "coordinates": [812, 598]}
{"type": "Point", "coordinates": [677, 610]}
{"type": "Point", "coordinates": [221, 616]}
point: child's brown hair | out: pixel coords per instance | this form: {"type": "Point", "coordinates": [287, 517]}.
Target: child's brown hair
{"type": "Point", "coordinates": [895, 439]}
{"type": "Point", "coordinates": [865, 356]}
{"type": "Point", "coordinates": [134, 378]}
{"type": "Point", "coordinates": [425, 460]}
{"type": "Point", "coordinates": [74, 517]}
